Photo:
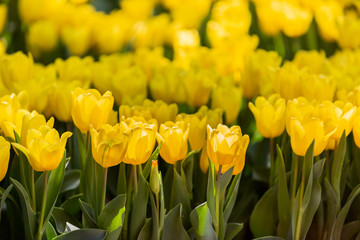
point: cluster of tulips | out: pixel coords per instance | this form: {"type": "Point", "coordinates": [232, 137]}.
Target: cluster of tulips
{"type": "Point", "coordinates": [143, 134]}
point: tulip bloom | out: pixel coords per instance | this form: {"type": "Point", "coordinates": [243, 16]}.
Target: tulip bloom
{"type": "Point", "coordinates": [356, 128]}
{"type": "Point", "coordinates": [90, 108]}
{"type": "Point", "coordinates": [197, 129]}
{"type": "Point", "coordinates": [223, 144]}
{"type": "Point", "coordinates": [109, 144]}
{"type": "Point", "coordinates": [4, 157]}
{"type": "Point", "coordinates": [43, 147]}
{"type": "Point", "coordinates": [269, 115]}
{"type": "Point", "coordinates": [141, 141]}
{"type": "Point", "coordinates": [174, 136]}
{"type": "Point", "coordinates": [161, 111]}
{"type": "Point", "coordinates": [302, 133]}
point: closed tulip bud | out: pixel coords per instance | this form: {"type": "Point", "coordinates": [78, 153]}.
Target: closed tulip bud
{"type": "Point", "coordinates": [8, 127]}
{"type": "Point", "coordinates": [174, 139]}
{"type": "Point", "coordinates": [303, 133]}
{"type": "Point", "coordinates": [269, 115]}
{"type": "Point", "coordinates": [298, 108]}
{"type": "Point", "coordinates": [154, 177]}
{"type": "Point", "coordinates": [229, 98]}
{"type": "Point", "coordinates": [161, 111]}
{"type": "Point", "coordinates": [10, 104]}
{"type": "Point", "coordinates": [223, 143]}
{"type": "Point", "coordinates": [43, 146]}
{"type": "Point", "coordinates": [197, 129]}
{"type": "Point", "coordinates": [109, 144]}
{"type": "Point", "coordinates": [90, 108]}
{"type": "Point", "coordinates": [3, 16]}
{"type": "Point", "coordinates": [4, 157]}
{"type": "Point", "coordinates": [141, 140]}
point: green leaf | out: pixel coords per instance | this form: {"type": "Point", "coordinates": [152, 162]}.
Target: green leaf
{"type": "Point", "coordinates": [210, 192]}
{"type": "Point", "coordinates": [343, 213]}
{"type": "Point", "coordinates": [309, 159]}
{"type": "Point", "coordinates": [201, 221]}
{"type": "Point", "coordinates": [50, 231]}
{"type": "Point", "coordinates": [4, 195]}
{"type": "Point", "coordinates": [61, 218]}
{"type": "Point", "coordinates": [173, 225]}
{"type": "Point", "coordinates": [179, 194]}
{"type": "Point", "coordinates": [88, 178]}
{"type": "Point", "coordinates": [72, 205]}
{"type": "Point", "coordinates": [53, 188]}
{"type": "Point", "coordinates": [331, 206]}
{"type": "Point", "coordinates": [71, 180]}
{"type": "Point", "coordinates": [112, 217]}
{"type": "Point", "coordinates": [283, 197]}
{"type": "Point", "coordinates": [138, 214]}
{"type": "Point", "coordinates": [29, 217]}
{"type": "Point", "coordinates": [225, 180]}
{"type": "Point", "coordinates": [312, 197]}
{"type": "Point", "coordinates": [162, 204]}
{"type": "Point", "coordinates": [154, 156]}
{"type": "Point", "coordinates": [269, 238]}
{"type": "Point", "coordinates": [88, 215]}
{"type": "Point", "coordinates": [231, 197]}
{"type": "Point", "coordinates": [121, 187]}
{"type": "Point", "coordinates": [99, 186]}
{"type": "Point", "coordinates": [81, 234]}
{"type": "Point", "coordinates": [350, 230]}
{"type": "Point", "coordinates": [155, 218]}
{"type": "Point", "coordinates": [337, 167]}
{"type": "Point", "coordinates": [81, 146]}
{"type": "Point", "coordinates": [264, 218]}
{"type": "Point", "coordinates": [146, 231]}
{"type": "Point", "coordinates": [187, 169]}
{"type": "Point", "coordinates": [232, 229]}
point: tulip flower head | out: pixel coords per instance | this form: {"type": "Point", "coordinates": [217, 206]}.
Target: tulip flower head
{"type": "Point", "coordinates": [223, 144]}
{"type": "Point", "coordinates": [90, 108]}
{"type": "Point", "coordinates": [109, 144]}
{"type": "Point", "coordinates": [174, 139]}
{"type": "Point", "coordinates": [4, 157]}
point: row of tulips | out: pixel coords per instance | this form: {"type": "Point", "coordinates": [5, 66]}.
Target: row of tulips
{"type": "Point", "coordinates": [155, 23]}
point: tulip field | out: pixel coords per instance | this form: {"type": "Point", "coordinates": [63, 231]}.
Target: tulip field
{"type": "Point", "coordinates": [179, 119]}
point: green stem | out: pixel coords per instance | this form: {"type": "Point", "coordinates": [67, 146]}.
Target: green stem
{"type": "Point", "coordinates": [43, 205]}
{"type": "Point", "coordinates": [327, 163]}
{"type": "Point", "coordinates": [133, 169]}
{"type": "Point", "coordinates": [103, 197]}
{"type": "Point", "coordinates": [311, 37]}
{"type": "Point", "coordinates": [32, 185]}
{"type": "Point", "coordinates": [217, 206]}
{"type": "Point", "coordinates": [279, 44]}
{"type": "Point", "coordinates": [300, 214]}
{"type": "Point", "coordinates": [294, 167]}
{"type": "Point", "coordinates": [272, 164]}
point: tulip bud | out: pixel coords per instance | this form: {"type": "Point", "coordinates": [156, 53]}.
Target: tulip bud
{"type": "Point", "coordinates": [154, 177]}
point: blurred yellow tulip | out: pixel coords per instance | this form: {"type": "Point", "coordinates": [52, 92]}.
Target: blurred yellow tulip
{"type": "Point", "coordinates": [90, 108]}
{"type": "Point", "coordinates": [161, 111]}
{"type": "Point", "coordinates": [4, 157]}
{"type": "Point", "coordinates": [269, 115]}
{"type": "Point", "coordinates": [197, 129]}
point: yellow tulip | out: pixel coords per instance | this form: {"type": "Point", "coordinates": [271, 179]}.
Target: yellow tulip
{"type": "Point", "coordinates": [317, 86]}
{"type": "Point", "coordinates": [131, 111]}
{"type": "Point", "coordinates": [42, 37]}
{"type": "Point", "coordinates": [90, 108]}
{"type": "Point", "coordinates": [214, 116]}
{"type": "Point", "coordinates": [109, 144]}
{"type": "Point", "coordinates": [339, 114]}
{"type": "Point", "coordinates": [4, 157]}
{"type": "Point", "coordinates": [161, 111]}
{"type": "Point", "coordinates": [313, 61]}
{"type": "Point", "coordinates": [239, 160]}
{"type": "Point", "coordinates": [174, 139]}
{"type": "Point", "coordinates": [77, 39]}
{"type": "Point", "coordinates": [269, 115]}
{"type": "Point", "coordinates": [356, 128]}
{"type": "Point", "coordinates": [224, 143]}
{"type": "Point", "coordinates": [10, 104]}
{"type": "Point", "coordinates": [229, 98]}
{"type": "Point", "coordinates": [299, 108]}
{"type": "Point", "coordinates": [141, 141]}
{"type": "Point", "coordinates": [287, 81]}
{"type": "Point", "coordinates": [3, 16]}
{"type": "Point", "coordinates": [43, 146]}
{"type": "Point", "coordinates": [302, 133]}
{"type": "Point", "coordinates": [197, 129]}
{"type": "Point", "coordinates": [8, 127]}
